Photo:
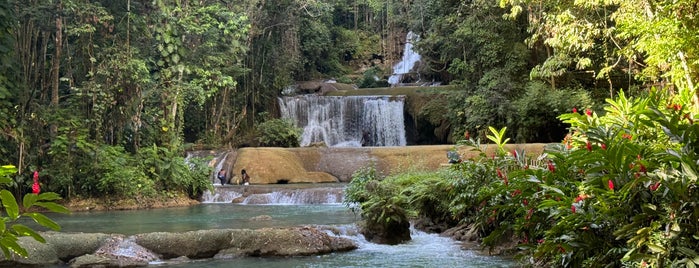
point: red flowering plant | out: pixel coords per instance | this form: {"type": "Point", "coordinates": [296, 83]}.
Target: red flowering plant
{"type": "Point", "coordinates": [635, 187]}
{"type": "Point", "coordinates": [11, 229]}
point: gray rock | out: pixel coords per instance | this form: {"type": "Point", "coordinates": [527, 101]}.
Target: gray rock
{"type": "Point", "coordinates": [114, 250]}
{"type": "Point", "coordinates": [193, 244]}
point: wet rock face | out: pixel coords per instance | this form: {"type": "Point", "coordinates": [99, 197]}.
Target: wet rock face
{"type": "Point", "coordinates": [114, 250]}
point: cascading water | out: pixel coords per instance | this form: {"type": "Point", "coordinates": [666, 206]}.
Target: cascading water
{"type": "Point", "coordinates": [276, 196]}
{"type": "Point", "coordinates": [352, 121]}
{"type": "Point", "coordinates": [408, 61]}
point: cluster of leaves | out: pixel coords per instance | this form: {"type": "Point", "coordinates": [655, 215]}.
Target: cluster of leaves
{"type": "Point", "coordinates": [617, 191]}
{"type": "Point", "coordinates": [278, 133]}
{"type": "Point", "coordinates": [376, 198]}
{"type": "Point", "coordinates": [10, 228]}
{"type": "Point", "coordinates": [114, 172]}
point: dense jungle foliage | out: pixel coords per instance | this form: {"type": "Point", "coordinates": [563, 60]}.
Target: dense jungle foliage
{"type": "Point", "coordinates": [103, 97]}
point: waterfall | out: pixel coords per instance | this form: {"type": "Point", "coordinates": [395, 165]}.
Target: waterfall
{"type": "Point", "coordinates": [315, 195]}
{"type": "Point", "coordinates": [408, 61]}
{"type": "Point", "coordinates": [351, 121]}
{"type": "Point", "coordinates": [220, 161]}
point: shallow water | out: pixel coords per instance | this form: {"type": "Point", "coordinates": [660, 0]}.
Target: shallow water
{"type": "Point", "coordinates": [425, 250]}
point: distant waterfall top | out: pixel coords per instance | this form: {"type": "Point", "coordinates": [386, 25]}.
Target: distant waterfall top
{"type": "Point", "coordinates": [408, 61]}
{"type": "Point", "coordinates": [352, 121]}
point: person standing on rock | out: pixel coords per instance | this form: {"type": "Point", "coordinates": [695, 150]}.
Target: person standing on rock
{"type": "Point", "coordinates": [244, 176]}
{"type": "Point", "coordinates": [222, 176]}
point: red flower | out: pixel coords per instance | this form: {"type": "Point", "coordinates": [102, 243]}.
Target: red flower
{"type": "Point", "coordinates": [514, 153]}
{"type": "Point", "coordinates": [572, 208]}
{"type": "Point", "coordinates": [654, 186]}
{"type": "Point", "coordinates": [589, 146]}
{"type": "Point", "coordinates": [575, 110]}
{"type": "Point", "coordinates": [516, 192]}
{"type": "Point", "coordinates": [610, 183]}
{"type": "Point", "coordinates": [36, 189]}
{"type": "Point", "coordinates": [604, 146]}
{"type": "Point", "coordinates": [529, 213]}
{"type": "Point", "coordinates": [642, 168]}
{"type": "Point", "coordinates": [581, 197]}
{"type": "Point", "coordinates": [525, 202]}
{"type": "Point", "coordinates": [500, 173]}
{"type": "Point", "coordinates": [626, 136]}
{"type": "Point", "coordinates": [588, 112]}
{"type": "Point", "coordinates": [552, 168]}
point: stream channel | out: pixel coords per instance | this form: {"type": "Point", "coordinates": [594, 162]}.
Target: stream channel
{"type": "Point", "coordinates": [424, 250]}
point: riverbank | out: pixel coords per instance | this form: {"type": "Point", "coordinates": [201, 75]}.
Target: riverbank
{"type": "Point", "coordinates": [110, 203]}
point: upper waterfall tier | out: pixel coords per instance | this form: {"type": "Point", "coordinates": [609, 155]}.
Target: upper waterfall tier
{"type": "Point", "coordinates": [351, 121]}
{"type": "Point", "coordinates": [407, 62]}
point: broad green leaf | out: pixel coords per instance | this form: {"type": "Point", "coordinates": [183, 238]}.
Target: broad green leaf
{"type": "Point", "coordinates": [44, 221]}
{"type": "Point", "coordinates": [23, 230]}
{"type": "Point", "coordinates": [656, 249]}
{"type": "Point", "coordinates": [29, 200]}
{"type": "Point", "coordinates": [53, 207]}
{"type": "Point", "coordinates": [10, 204]}
{"type": "Point", "coordinates": [49, 196]}
{"type": "Point", "coordinates": [10, 243]}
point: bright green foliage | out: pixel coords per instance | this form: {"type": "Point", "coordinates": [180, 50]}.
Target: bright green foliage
{"type": "Point", "coordinates": [536, 111]}
{"type": "Point", "coordinates": [278, 133]}
{"type": "Point", "coordinates": [10, 229]}
{"type": "Point", "coordinates": [379, 200]}
{"type": "Point", "coordinates": [171, 172]}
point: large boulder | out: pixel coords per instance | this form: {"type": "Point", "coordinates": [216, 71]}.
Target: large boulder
{"type": "Point", "coordinates": [389, 233]}
{"type": "Point", "coordinates": [292, 241]}
{"type": "Point", "coordinates": [59, 247]}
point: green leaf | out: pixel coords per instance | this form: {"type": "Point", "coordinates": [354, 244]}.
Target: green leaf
{"type": "Point", "coordinates": [9, 243]}
{"type": "Point", "coordinates": [44, 221]}
{"type": "Point", "coordinates": [29, 200]}
{"type": "Point", "coordinates": [49, 196]}
{"type": "Point", "coordinates": [53, 207]}
{"type": "Point", "coordinates": [23, 230]}
{"type": "Point", "coordinates": [656, 248]}
{"type": "Point", "coordinates": [10, 204]}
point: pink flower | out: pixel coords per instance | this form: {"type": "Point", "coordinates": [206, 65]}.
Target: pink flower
{"type": "Point", "coordinates": [604, 146]}
{"type": "Point", "coordinates": [610, 183]}
{"type": "Point", "coordinates": [654, 186]}
{"type": "Point", "coordinates": [588, 112]}
{"type": "Point", "coordinates": [575, 110]}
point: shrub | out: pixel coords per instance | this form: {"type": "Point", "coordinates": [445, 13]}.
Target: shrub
{"type": "Point", "coordinates": [278, 133]}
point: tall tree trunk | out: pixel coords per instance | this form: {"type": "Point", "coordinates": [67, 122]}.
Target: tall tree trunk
{"type": "Point", "coordinates": [56, 64]}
